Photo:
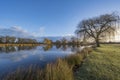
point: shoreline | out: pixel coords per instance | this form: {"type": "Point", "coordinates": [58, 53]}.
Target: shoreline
{"type": "Point", "coordinates": [65, 67]}
{"type": "Point", "coordinates": [19, 44]}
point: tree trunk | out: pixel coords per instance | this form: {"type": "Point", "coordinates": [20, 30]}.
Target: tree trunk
{"type": "Point", "coordinates": [97, 43]}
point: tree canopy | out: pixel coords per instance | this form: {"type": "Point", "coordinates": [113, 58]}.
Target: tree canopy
{"type": "Point", "coordinates": [96, 26]}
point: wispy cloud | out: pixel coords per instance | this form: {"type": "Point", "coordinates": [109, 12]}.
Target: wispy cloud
{"type": "Point", "coordinates": [39, 32]}
{"type": "Point", "coordinates": [18, 31]}
{"type": "Point", "coordinates": [18, 28]}
{"type": "Point", "coordinates": [68, 35]}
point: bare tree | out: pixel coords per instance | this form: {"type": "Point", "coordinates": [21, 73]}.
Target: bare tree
{"type": "Point", "coordinates": [96, 26]}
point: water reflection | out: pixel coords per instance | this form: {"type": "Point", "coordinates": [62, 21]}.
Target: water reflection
{"type": "Point", "coordinates": [47, 47]}
{"type": "Point", "coordinates": [12, 57]}
{"type": "Point", "coordinates": [58, 46]}
{"type": "Point", "coordinates": [62, 47]}
{"type": "Point", "coordinates": [9, 49]}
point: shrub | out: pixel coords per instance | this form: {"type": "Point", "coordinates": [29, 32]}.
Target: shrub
{"type": "Point", "coordinates": [74, 59]}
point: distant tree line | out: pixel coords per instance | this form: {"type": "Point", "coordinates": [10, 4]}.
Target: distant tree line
{"type": "Point", "coordinates": [9, 39]}
{"type": "Point", "coordinates": [63, 41]}
{"type": "Point", "coordinates": [15, 40]}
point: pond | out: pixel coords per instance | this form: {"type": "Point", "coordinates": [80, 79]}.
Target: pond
{"type": "Point", "coordinates": [13, 57]}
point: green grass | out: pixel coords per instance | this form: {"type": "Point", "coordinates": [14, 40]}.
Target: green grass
{"type": "Point", "coordinates": [102, 64]}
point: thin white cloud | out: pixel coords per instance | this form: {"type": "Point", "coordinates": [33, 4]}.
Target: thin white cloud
{"type": "Point", "coordinates": [16, 31]}
{"type": "Point", "coordinates": [40, 32]}
{"type": "Point", "coordinates": [18, 28]}
{"type": "Point", "coordinates": [68, 35]}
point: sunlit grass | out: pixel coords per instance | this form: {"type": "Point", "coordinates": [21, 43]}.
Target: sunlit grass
{"type": "Point", "coordinates": [102, 64]}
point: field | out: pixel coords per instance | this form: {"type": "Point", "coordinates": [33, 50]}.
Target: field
{"type": "Point", "coordinates": [102, 64]}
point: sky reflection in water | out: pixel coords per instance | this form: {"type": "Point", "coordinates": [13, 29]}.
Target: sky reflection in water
{"type": "Point", "coordinates": [13, 57]}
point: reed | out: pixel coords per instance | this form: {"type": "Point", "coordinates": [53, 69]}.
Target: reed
{"type": "Point", "coordinates": [58, 71]}
{"type": "Point", "coordinates": [62, 69]}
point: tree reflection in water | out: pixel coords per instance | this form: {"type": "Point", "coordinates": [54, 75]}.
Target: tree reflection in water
{"type": "Point", "coordinates": [47, 47]}
{"type": "Point", "coordinates": [58, 46]}
{"type": "Point", "coordinates": [8, 49]}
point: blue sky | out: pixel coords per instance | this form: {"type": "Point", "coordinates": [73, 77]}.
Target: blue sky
{"type": "Point", "coordinates": [51, 17]}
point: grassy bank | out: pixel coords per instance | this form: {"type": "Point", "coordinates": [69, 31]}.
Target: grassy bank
{"type": "Point", "coordinates": [102, 64]}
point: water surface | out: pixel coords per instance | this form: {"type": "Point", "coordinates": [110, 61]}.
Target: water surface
{"type": "Point", "coordinates": [13, 57]}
